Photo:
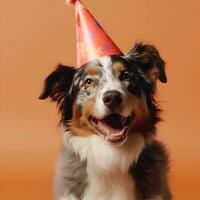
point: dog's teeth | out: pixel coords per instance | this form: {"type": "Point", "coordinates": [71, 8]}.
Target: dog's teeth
{"type": "Point", "coordinates": [119, 134]}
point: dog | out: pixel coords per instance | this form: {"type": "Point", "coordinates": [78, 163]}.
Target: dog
{"type": "Point", "coordinates": [108, 123]}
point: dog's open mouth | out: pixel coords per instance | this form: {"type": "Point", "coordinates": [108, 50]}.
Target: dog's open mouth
{"type": "Point", "coordinates": [114, 126]}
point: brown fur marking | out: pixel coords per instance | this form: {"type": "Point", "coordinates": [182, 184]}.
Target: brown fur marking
{"type": "Point", "coordinates": [79, 124]}
{"type": "Point", "coordinates": [118, 67]}
{"type": "Point", "coordinates": [93, 70]}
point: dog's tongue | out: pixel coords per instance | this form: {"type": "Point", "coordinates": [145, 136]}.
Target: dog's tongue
{"type": "Point", "coordinates": [111, 134]}
{"type": "Point", "coordinates": [112, 126]}
{"type": "Point", "coordinates": [108, 130]}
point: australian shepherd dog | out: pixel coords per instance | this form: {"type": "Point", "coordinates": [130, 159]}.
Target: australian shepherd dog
{"type": "Point", "coordinates": [108, 123]}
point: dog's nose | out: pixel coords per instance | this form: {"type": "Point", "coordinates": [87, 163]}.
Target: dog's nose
{"type": "Point", "coordinates": [112, 98]}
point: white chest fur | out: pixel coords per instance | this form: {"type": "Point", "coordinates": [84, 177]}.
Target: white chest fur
{"type": "Point", "coordinates": [107, 165]}
{"type": "Point", "coordinates": [109, 186]}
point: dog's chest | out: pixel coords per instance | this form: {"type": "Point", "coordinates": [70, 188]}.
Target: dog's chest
{"type": "Point", "coordinates": [108, 167]}
{"type": "Point", "coordinates": [112, 186]}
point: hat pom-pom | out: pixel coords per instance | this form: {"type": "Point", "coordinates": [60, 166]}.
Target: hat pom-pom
{"type": "Point", "coordinates": [70, 1]}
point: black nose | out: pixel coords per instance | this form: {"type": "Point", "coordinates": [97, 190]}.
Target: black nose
{"type": "Point", "coordinates": [112, 98]}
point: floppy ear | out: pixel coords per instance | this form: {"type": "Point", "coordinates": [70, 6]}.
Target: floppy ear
{"type": "Point", "coordinates": [58, 83]}
{"type": "Point", "coordinates": [148, 61]}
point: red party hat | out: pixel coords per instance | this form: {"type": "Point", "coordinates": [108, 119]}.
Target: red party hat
{"type": "Point", "coordinates": [92, 41]}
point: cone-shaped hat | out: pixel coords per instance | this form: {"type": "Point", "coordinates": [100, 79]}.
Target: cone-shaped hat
{"type": "Point", "coordinates": [92, 41]}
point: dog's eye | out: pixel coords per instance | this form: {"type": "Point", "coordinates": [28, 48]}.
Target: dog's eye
{"type": "Point", "coordinates": [125, 76]}
{"type": "Point", "coordinates": [88, 81]}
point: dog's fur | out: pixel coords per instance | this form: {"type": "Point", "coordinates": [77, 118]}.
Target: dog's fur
{"type": "Point", "coordinates": [95, 163]}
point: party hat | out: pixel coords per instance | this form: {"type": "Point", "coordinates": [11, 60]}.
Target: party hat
{"type": "Point", "coordinates": [92, 40]}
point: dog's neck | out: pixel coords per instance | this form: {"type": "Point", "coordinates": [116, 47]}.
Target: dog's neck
{"type": "Point", "coordinates": [107, 165]}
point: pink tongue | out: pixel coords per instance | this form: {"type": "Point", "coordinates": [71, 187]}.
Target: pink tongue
{"type": "Point", "coordinates": [108, 130]}
{"type": "Point", "coordinates": [111, 138]}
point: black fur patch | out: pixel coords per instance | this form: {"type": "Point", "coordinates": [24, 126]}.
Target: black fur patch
{"type": "Point", "coordinates": [150, 172]}
{"type": "Point", "coordinates": [58, 86]}
{"type": "Point", "coordinates": [58, 83]}
{"type": "Point", "coordinates": [147, 57]}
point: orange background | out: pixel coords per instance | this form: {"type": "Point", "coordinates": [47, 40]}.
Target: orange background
{"type": "Point", "coordinates": [36, 35]}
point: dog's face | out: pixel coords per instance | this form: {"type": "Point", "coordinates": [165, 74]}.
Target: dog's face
{"type": "Point", "coordinates": [111, 97]}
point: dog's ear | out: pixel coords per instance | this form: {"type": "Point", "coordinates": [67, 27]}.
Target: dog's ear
{"type": "Point", "coordinates": [58, 83]}
{"type": "Point", "coordinates": [148, 61]}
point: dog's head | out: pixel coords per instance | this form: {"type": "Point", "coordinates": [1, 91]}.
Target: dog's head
{"type": "Point", "coordinates": [112, 97]}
